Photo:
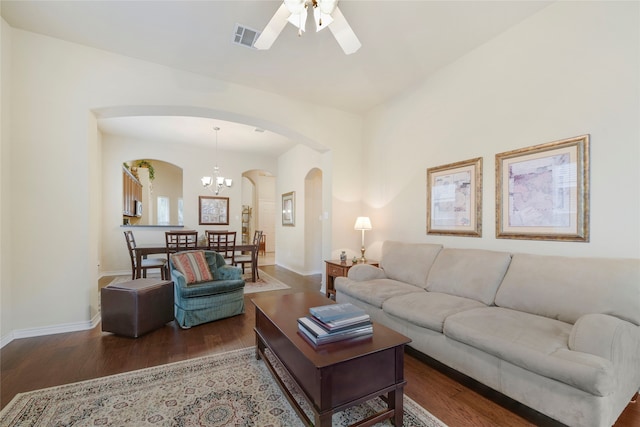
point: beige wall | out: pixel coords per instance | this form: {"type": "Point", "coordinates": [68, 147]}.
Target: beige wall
{"type": "Point", "coordinates": [571, 69]}
{"type": "Point", "coordinates": [6, 324]}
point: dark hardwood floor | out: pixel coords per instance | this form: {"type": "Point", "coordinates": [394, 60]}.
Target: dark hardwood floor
{"type": "Point", "coordinates": [34, 363]}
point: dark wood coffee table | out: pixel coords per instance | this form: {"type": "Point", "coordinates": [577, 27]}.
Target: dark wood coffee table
{"type": "Point", "coordinates": [332, 376]}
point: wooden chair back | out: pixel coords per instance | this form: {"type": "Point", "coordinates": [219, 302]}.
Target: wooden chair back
{"type": "Point", "coordinates": [177, 241]}
{"type": "Point", "coordinates": [257, 237]}
{"type": "Point", "coordinates": [262, 247]}
{"type": "Point", "coordinates": [222, 242]}
{"type": "Point", "coordinates": [131, 246]}
{"type": "Point", "coordinates": [146, 264]}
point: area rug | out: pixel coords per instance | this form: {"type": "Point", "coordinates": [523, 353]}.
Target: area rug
{"type": "Point", "coordinates": [264, 283]}
{"type": "Point", "coordinates": [225, 389]}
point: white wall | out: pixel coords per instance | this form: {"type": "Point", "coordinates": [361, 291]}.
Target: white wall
{"type": "Point", "coordinates": [571, 69]}
{"type": "Point", "coordinates": [55, 86]}
{"type": "Point", "coordinates": [266, 212]}
{"type": "Point", "coordinates": [293, 167]}
{"type": "Point", "coordinates": [6, 324]}
{"type": "Point", "coordinates": [313, 221]}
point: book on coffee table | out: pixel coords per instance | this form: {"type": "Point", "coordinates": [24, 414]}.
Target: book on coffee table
{"type": "Point", "coordinates": [336, 312]}
{"type": "Point", "coordinates": [318, 336]}
{"type": "Point", "coordinates": [340, 325]}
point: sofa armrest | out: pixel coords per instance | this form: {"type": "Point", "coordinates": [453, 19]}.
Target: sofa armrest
{"type": "Point", "coordinates": [229, 272]}
{"type": "Point", "coordinates": [605, 336]}
{"type": "Point", "coordinates": [364, 272]}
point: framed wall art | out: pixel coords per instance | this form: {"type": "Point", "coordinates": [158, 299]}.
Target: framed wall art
{"type": "Point", "coordinates": [454, 199]}
{"type": "Point", "coordinates": [213, 210]}
{"type": "Point", "coordinates": [289, 209]}
{"type": "Point", "coordinates": [542, 192]}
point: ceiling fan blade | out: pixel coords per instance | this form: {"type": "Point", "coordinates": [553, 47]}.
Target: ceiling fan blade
{"type": "Point", "coordinates": [273, 28]}
{"type": "Point", "coordinates": [343, 33]}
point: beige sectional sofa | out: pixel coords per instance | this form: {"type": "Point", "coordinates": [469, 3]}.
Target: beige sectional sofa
{"type": "Point", "coordinates": [558, 334]}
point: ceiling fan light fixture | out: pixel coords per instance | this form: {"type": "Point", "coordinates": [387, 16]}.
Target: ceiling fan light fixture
{"type": "Point", "coordinates": [326, 6]}
{"type": "Point", "coordinates": [296, 7]}
{"type": "Point", "coordinates": [299, 20]}
{"type": "Point", "coordinates": [326, 14]}
{"type": "Point", "coordinates": [323, 20]}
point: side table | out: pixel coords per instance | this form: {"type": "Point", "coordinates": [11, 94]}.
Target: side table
{"type": "Point", "coordinates": [337, 268]}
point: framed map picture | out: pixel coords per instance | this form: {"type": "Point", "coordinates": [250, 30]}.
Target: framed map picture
{"type": "Point", "coordinates": [213, 210]}
{"type": "Point", "coordinates": [454, 199]}
{"type": "Point", "coordinates": [542, 192]}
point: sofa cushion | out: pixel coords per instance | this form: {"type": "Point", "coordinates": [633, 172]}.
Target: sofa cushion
{"type": "Point", "coordinates": [469, 273]}
{"type": "Point", "coordinates": [374, 292]}
{"type": "Point", "coordinates": [427, 309]}
{"type": "Point", "coordinates": [408, 262]}
{"type": "Point", "coordinates": [567, 288]}
{"type": "Point", "coordinates": [193, 266]}
{"type": "Point", "coordinates": [203, 289]}
{"type": "Point", "coordinates": [535, 343]}
{"type": "Point", "coordinates": [363, 272]}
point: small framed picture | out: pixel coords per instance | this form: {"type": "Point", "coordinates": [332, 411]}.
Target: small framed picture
{"type": "Point", "coordinates": [454, 199]}
{"type": "Point", "coordinates": [213, 210]}
{"type": "Point", "coordinates": [289, 209]}
{"type": "Point", "coordinates": [542, 192]}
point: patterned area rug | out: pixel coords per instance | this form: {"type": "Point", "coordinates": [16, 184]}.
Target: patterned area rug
{"type": "Point", "coordinates": [264, 283]}
{"type": "Point", "coordinates": [225, 389]}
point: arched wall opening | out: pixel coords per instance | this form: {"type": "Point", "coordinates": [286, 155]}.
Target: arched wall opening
{"type": "Point", "coordinates": [262, 196]}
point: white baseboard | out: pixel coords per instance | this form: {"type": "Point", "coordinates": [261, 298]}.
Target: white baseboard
{"type": "Point", "coordinates": [50, 330]}
{"type": "Point", "coordinates": [115, 273]}
{"type": "Point", "coordinates": [6, 339]}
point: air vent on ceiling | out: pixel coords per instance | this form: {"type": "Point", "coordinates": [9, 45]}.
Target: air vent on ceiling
{"type": "Point", "coordinates": [245, 36]}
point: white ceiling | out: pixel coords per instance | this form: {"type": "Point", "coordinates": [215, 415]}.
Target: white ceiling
{"type": "Point", "coordinates": [403, 42]}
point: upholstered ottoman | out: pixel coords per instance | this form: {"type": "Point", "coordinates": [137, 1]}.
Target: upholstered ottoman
{"type": "Point", "coordinates": [136, 307]}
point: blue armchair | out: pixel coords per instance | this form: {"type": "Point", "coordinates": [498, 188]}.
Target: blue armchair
{"type": "Point", "coordinates": [203, 302]}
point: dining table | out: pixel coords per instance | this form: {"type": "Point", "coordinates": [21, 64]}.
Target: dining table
{"type": "Point", "coordinates": [144, 250]}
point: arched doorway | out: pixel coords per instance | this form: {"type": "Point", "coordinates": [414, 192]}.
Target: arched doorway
{"type": "Point", "coordinates": [259, 202]}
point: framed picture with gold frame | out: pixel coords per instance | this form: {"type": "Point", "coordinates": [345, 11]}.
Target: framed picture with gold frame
{"type": "Point", "coordinates": [454, 199]}
{"type": "Point", "coordinates": [542, 192]}
{"type": "Point", "coordinates": [289, 209]}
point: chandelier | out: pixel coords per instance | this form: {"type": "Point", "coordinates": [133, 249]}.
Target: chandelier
{"type": "Point", "coordinates": [217, 182]}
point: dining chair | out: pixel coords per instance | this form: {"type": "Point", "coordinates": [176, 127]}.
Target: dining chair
{"type": "Point", "coordinates": [146, 263]}
{"type": "Point", "coordinates": [251, 258]}
{"type": "Point", "coordinates": [222, 242]}
{"type": "Point", "coordinates": [263, 245]}
{"type": "Point", "coordinates": [177, 241]}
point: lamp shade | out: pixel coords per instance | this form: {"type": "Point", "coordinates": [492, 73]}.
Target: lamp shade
{"type": "Point", "coordinates": [362, 223]}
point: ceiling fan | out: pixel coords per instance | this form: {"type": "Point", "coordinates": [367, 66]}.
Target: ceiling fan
{"type": "Point", "coordinates": [325, 13]}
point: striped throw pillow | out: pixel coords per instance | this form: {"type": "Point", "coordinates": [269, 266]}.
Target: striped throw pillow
{"type": "Point", "coordinates": [193, 266]}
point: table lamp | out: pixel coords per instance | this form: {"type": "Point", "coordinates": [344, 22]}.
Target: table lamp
{"type": "Point", "coordinates": [363, 223]}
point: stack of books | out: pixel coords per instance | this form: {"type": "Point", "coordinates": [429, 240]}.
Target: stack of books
{"type": "Point", "coordinates": [335, 322]}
